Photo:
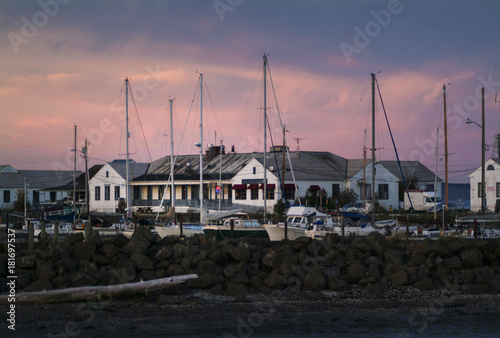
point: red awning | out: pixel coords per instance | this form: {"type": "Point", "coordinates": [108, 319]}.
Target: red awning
{"type": "Point", "coordinates": [239, 186]}
{"type": "Point", "coordinates": [269, 186]}
{"type": "Point", "coordinates": [314, 188]}
{"type": "Point", "coordinates": [253, 186]}
{"type": "Point", "coordinates": [289, 186]}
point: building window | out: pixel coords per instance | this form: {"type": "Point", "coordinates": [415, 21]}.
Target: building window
{"type": "Point", "coordinates": [289, 191]}
{"type": "Point", "coordinates": [97, 195]}
{"type": "Point", "coordinates": [161, 191]}
{"type": "Point", "coordinates": [335, 190]}
{"type": "Point", "coordinates": [498, 189]}
{"type": "Point", "coordinates": [107, 173]}
{"type": "Point", "coordinates": [117, 193]}
{"type": "Point", "coordinates": [6, 196]}
{"type": "Point", "coordinates": [137, 193]}
{"type": "Point", "coordinates": [490, 167]}
{"type": "Point", "coordinates": [240, 194]}
{"type": "Point", "coordinates": [36, 197]}
{"type": "Point", "coordinates": [270, 194]}
{"type": "Point", "coordinates": [195, 192]}
{"type": "Point", "coordinates": [383, 191]}
{"type": "Point", "coordinates": [368, 191]}
{"type": "Point", "coordinates": [254, 194]}
{"type": "Point", "coordinates": [149, 193]}
{"type": "Point", "coordinates": [53, 196]}
{"type": "Point", "coordinates": [479, 189]}
{"type": "Point", "coordinates": [254, 170]}
{"type": "Point", "coordinates": [107, 192]}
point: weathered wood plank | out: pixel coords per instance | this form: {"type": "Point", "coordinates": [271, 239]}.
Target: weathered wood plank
{"type": "Point", "coordinates": [95, 292]}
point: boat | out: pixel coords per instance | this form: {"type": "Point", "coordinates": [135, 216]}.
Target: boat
{"type": "Point", "coordinates": [299, 218]}
{"type": "Point", "coordinates": [357, 228]}
{"type": "Point", "coordinates": [235, 227]}
{"type": "Point", "coordinates": [188, 229]}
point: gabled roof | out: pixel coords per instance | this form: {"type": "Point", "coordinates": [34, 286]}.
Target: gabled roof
{"type": "Point", "coordinates": [312, 166]}
{"type": "Point", "coordinates": [411, 169]}
{"type": "Point", "coordinates": [6, 168]}
{"type": "Point", "coordinates": [136, 169]}
{"type": "Point", "coordinates": [308, 165]}
{"type": "Point", "coordinates": [187, 167]}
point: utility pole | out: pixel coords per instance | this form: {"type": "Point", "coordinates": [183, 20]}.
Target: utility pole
{"type": "Point", "coordinates": [74, 178]}
{"type": "Point", "coordinates": [483, 146]}
{"type": "Point", "coordinates": [265, 140]}
{"type": "Point", "coordinates": [445, 152]}
{"type": "Point", "coordinates": [373, 148]}
{"type": "Point", "coordinates": [435, 174]}
{"type": "Point", "coordinates": [364, 170]}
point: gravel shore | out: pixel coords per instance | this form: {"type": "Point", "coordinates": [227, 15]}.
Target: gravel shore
{"type": "Point", "coordinates": [394, 313]}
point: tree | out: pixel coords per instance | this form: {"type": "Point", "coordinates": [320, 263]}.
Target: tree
{"type": "Point", "coordinates": [19, 203]}
{"type": "Point", "coordinates": [347, 195]}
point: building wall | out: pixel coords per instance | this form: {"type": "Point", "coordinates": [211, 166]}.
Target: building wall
{"type": "Point", "coordinates": [107, 176]}
{"type": "Point", "coordinates": [255, 171]}
{"type": "Point", "coordinates": [382, 176]}
{"type": "Point", "coordinates": [492, 178]}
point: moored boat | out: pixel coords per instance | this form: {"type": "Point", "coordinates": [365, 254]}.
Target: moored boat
{"type": "Point", "coordinates": [241, 228]}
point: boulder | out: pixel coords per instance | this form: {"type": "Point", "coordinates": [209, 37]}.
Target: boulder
{"type": "Point", "coordinates": [44, 270]}
{"type": "Point", "coordinates": [453, 262]}
{"type": "Point", "coordinates": [26, 262]}
{"type": "Point", "coordinates": [39, 285]}
{"type": "Point", "coordinates": [144, 232]}
{"type": "Point", "coordinates": [356, 272]}
{"type": "Point", "coordinates": [472, 258]}
{"type": "Point", "coordinates": [83, 250]}
{"type": "Point", "coordinates": [394, 257]}
{"type": "Point", "coordinates": [69, 263]}
{"type": "Point", "coordinates": [373, 289]}
{"type": "Point", "coordinates": [90, 269]}
{"type": "Point", "coordinates": [399, 277]}
{"type": "Point", "coordinates": [164, 253]}
{"type": "Point", "coordinates": [24, 277]}
{"type": "Point", "coordinates": [301, 243]}
{"type": "Point", "coordinates": [119, 240]}
{"type": "Point", "coordinates": [314, 281]}
{"type": "Point", "coordinates": [271, 259]}
{"type": "Point", "coordinates": [241, 278]}
{"type": "Point", "coordinates": [240, 253]}
{"type": "Point", "coordinates": [60, 281]}
{"type": "Point", "coordinates": [100, 260]}
{"type": "Point", "coordinates": [110, 250]}
{"type": "Point", "coordinates": [80, 279]}
{"type": "Point", "coordinates": [138, 244]}
{"type": "Point", "coordinates": [424, 284]}
{"type": "Point", "coordinates": [71, 239]}
{"type": "Point", "coordinates": [142, 262]}
{"type": "Point", "coordinates": [274, 281]}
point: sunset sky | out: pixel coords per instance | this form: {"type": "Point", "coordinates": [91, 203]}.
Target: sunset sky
{"type": "Point", "coordinates": [63, 63]}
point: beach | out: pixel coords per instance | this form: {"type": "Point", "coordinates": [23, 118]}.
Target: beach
{"type": "Point", "coordinates": [394, 313]}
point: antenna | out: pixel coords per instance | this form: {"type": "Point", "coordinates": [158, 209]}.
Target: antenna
{"type": "Point", "coordinates": [298, 143]}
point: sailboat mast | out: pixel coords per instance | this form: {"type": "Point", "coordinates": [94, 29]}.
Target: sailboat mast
{"type": "Point", "coordinates": [201, 148]}
{"type": "Point", "coordinates": [445, 152]}
{"type": "Point", "coordinates": [74, 178]}
{"type": "Point", "coordinates": [172, 188]}
{"type": "Point", "coordinates": [435, 173]}
{"type": "Point", "coordinates": [364, 170]}
{"type": "Point", "coordinates": [265, 140]}
{"type": "Point", "coordinates": [127, 173]}
{"type": "Point", "coordinates": [373, 148]}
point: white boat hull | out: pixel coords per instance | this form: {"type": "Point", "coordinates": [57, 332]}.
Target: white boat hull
{"type": "Point", "coordinates": [187, 231]}
{"type": "Point", "coordinates": [276, 232]}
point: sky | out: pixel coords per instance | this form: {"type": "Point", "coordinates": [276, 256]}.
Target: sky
{"type": "Point", "coordinates": [64, 63]}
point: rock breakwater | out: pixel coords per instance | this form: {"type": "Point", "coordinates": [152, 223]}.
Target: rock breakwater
{"type": "Point", "coordinates": [237, 268]}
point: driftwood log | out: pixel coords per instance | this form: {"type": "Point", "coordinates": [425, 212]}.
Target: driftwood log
{"type": "Point", "coordinates": [95, 292]}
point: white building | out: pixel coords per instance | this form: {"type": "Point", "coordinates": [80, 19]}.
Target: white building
{"type": "Point", "coordinates": [38, 186]}
{"type": "Point", "coordinates": [108, 185]}
{"type": "Point", "coordinates": [492, 179]}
